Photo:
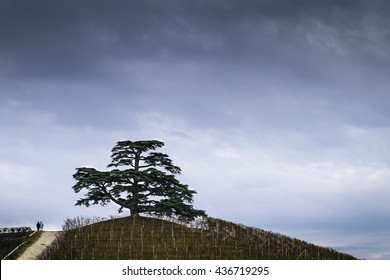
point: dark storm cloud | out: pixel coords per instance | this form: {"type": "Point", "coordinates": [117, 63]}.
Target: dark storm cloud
{"type": "Point", "coordinates": [296, 45]}
{"type": "Point", "coordinates": [82, 38]}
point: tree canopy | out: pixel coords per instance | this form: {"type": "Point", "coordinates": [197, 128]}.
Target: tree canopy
{"type": "Point", "coordinates": [142, 181]}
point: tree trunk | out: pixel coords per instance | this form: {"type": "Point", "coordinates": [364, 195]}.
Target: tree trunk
{"type": "Point", "coordinates": [134, 212]}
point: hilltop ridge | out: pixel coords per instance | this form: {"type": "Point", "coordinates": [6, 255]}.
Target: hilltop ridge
{"type": "Point", "coordinates": [152, 238]}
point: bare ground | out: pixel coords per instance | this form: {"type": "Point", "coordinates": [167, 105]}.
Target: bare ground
{"type": "Point", "coordinates": [36, 249]}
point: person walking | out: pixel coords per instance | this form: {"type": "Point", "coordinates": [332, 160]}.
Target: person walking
{"type": "Point", "coordinates": [41, 225]}
{"type": "Point", "coordinates": [38, 225]}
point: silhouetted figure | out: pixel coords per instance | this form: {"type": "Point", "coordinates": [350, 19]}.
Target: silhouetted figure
{"type": "Point", "coordinates": [41, 225]}
{"type": "Point", "coordinates": [38, 226]}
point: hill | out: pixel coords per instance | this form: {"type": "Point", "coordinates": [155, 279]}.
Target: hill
{"type": "Point", "coordinates": [10, 238]}
{"type": "Point", "coordinates": [151, 238]}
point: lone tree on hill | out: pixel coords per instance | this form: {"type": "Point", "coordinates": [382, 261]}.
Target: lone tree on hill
{"type": "Point", "coordinates": [145, 183]}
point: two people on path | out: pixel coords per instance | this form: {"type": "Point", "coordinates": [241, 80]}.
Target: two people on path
{"type": "Point", "coordinates": [39, 225]}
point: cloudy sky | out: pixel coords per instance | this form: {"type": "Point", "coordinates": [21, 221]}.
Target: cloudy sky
{"type": "Point", "coordinates": [276, 111]}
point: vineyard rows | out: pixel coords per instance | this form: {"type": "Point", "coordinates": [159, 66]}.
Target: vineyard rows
{"type": "Point", "coordinates": [151, 238]}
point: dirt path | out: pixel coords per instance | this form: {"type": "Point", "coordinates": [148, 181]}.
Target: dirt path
{"type": "Point", "coordinates": [33, 252]}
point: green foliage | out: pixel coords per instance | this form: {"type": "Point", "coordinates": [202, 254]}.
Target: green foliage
{"type": "Point", "coordinates": [143, 182]}
{"type": "Point", "coordinates": [206, 239]}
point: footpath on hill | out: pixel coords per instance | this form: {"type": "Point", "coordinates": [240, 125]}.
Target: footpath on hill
{"type": "Point", "coordinates": [33, 252]}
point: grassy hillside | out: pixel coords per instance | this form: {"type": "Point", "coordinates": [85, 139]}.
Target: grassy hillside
{"type": "Point", "coordinates": [151, 238]}
{"type": "Point", "coordinates": [10, 238]}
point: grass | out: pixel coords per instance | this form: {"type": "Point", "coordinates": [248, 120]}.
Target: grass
{"type": "Point", "coordinates": [23, 242]}
{"type": "Point", "coordinates": [157, 239]}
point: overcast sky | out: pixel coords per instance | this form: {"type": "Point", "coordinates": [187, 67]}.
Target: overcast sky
{"type": "Point", "coordinates": [276, 111]}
